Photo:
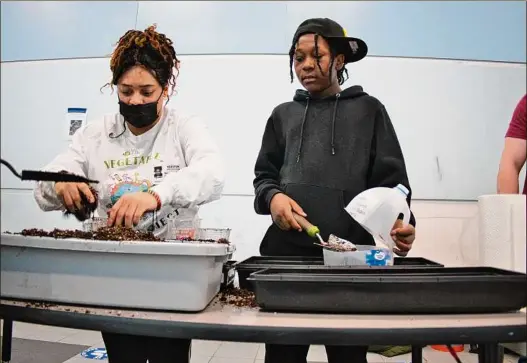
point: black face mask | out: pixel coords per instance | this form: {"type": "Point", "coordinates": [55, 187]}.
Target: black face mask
{"type": "Point", "coordinates": [139, 115]}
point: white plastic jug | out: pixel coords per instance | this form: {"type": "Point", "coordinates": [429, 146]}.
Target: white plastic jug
{"type": "Point", "coordinates": [377, 210]}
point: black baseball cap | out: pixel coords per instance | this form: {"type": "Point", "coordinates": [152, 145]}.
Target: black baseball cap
{"type": "Point", "coordinates": [353, 49]}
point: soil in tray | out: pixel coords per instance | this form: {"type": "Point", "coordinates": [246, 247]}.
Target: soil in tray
{"type": "Point", "coordinates": [105, 234]}
{"type": "Point", "coordinates": [221, 240]}
{"type": "Point", "coordinates": [102, 234]}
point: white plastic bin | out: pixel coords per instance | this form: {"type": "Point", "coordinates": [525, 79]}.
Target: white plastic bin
{"type": "Point", "coordinates": [148, 275]}
{"type": "Point", "coordinates": [364, 256]}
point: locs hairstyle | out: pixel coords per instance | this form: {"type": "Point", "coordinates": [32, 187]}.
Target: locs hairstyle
{"type": "Point", "coordinates": [149, 49]}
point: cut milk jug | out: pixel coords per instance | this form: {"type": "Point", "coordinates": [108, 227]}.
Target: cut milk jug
{"type": "Point", "coordinates": [377, 210]}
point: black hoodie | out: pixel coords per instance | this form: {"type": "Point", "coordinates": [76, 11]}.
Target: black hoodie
{"type": "Point", "coordinates": [322, 153]}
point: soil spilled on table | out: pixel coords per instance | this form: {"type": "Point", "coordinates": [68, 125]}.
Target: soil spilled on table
{"type": "Point", "coordinates": [240, 298]}
{"type": "Point", "coordinates": [39, 304]}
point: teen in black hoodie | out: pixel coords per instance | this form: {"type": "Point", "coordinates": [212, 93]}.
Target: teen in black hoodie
{"type": "Point", "coordinates": [318, 152]}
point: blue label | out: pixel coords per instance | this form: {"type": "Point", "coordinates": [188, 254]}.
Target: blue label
{"type": "Point", "coordinates": [76, 110]}
{"type": "Point", "coordinates": [377, 258]}
{"type": "Point", "coordinates": [95, 353]}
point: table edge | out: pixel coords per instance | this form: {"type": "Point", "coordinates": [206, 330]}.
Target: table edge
{"type": "Point", "coordinates": [266, 334]}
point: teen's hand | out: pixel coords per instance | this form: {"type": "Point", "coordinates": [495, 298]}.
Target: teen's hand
{"type": "Point", "coordinates": [130, 208]}
{"type": "Point", "coordinates": [70, 193]}
{"type": "Point", "coordinates": [282, 208]}
{"type": "Point", "coordinates": [403, 236]}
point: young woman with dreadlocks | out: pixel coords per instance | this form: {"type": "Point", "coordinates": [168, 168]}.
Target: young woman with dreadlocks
{"type": "Point", "coordinates": [317, 153]}
{"type": "Point", "coordinates": [152, 163]}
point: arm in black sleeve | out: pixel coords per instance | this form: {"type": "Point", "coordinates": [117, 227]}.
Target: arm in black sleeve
{"type": "Point", "coordinates": [267, 169]}
{"type": "Point", "coordinates": [387, 166]}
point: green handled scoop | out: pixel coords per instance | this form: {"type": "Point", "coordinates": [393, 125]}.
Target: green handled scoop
{"type": "Point", "coordinates": [334, 243]}
{"type": "Point", "coordinates": [311, 230]}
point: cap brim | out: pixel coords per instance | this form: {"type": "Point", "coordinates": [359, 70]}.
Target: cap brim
{"type": "Point", "coordinates": [353, 49]}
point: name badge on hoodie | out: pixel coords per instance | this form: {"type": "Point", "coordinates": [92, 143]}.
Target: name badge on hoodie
{"type": "Point", "coordinates": [159, 175]}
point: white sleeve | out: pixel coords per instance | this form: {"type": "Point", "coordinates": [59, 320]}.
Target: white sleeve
{"type": "Point", "coordinates": [72, 160]}
{"type": "Point", "coordinates": [202, 180]}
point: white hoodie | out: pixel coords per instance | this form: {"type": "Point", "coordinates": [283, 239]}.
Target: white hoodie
{"type": "Point", "coordinates": [177, 158]}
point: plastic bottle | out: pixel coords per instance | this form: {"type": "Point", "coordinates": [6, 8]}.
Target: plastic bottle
{"type": "Point", "coordinates": [377, 210]}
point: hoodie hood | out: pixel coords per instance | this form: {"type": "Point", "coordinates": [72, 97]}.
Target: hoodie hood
{"type": "Point", "coordinates": [303, 96]}
{"type": "Point", "coordinates": [350, 92]}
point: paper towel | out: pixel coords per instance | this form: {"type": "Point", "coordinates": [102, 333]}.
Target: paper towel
{"type": "Point", "coordinates": [502, 236]}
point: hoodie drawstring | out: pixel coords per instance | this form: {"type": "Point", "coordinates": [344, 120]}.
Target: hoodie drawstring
{"type": "Point", "coordinates": [333, 120]}
{"type": "Point", "coordinates": [302, 132]}
{"type": "Point", "coordinates": [333, 124]}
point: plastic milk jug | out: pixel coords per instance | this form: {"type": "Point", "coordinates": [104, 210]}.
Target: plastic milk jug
{"type": "Point", "coordinates": [377, 210]}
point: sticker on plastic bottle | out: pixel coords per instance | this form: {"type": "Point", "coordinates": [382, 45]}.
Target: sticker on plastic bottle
{"type": "Point", "coordinates": [377, 258]}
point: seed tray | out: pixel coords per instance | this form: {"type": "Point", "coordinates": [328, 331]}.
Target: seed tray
{"type": "Point", "coordinates": [257, 263]}
{"type": "Point", "coordinates": [391, 291]}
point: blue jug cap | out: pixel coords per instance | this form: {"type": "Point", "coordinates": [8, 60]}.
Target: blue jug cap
{"type": "Point", "coordinates": [403, 189]}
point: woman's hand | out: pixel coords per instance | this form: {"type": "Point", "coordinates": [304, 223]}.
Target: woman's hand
{"type": "Point", "coordinates": [70, 193]}
{"type": "Point", "coordinates": [404, 237]}
{"type": "Point", "coordinates": [282, 208]}
{"type": "Point", "coordinates": [130, 208]}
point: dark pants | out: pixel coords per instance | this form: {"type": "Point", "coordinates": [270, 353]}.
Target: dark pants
{"type": "Point", "coordinates": [138, 349]}
{"type": "Point", "coordinates": [298, 354]}
{"type": "Point", "coordinates": [275, 353]}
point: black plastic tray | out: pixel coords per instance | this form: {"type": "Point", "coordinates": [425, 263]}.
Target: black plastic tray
{"type": "Point", "coordinates": [391, 291]}
{"type": "Point", "coordinates": [258, 263]}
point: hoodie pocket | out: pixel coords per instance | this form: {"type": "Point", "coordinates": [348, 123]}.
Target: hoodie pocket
{"type": "Point", "coordinates": [325, 209]}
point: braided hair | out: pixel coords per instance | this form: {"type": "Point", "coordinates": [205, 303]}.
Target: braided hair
{"type": "Point", "coordinates": [149, 49]}
{"type": "Point", "coordinates": [342, 74]}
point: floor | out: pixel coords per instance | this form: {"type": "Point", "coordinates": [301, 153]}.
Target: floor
{"type": "Point", "coordinates": [45, 344]}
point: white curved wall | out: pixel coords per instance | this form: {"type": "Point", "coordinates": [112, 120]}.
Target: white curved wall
{"type": "Point", "coordinates": [450, 116]}
{"type": "Point", "coordinates": [436, 106]}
